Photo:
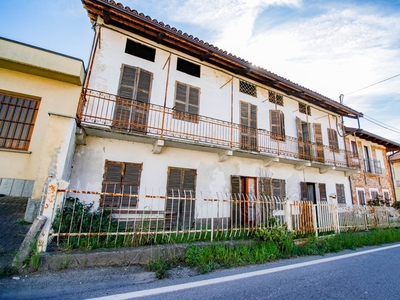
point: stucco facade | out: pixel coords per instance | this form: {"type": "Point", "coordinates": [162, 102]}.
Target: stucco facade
{"type": "Point", "coordinates": [226, 129]}
{"type": "Point", "coordinates": [54, 83]}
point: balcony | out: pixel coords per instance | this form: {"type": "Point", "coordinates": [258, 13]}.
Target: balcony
{"type": "Point", "coordinates": [372, 166]}
{"type": "Point", "coordinates": [114, 114]}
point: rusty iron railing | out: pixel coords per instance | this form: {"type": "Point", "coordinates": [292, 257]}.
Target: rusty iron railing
{"type": "Point", "coordinates": [120, 114]}
{"type": "Point", "coordinates": [80, 218]}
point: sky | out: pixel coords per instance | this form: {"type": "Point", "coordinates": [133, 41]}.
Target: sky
{"type": "Point", "coordinates": [336, 47]}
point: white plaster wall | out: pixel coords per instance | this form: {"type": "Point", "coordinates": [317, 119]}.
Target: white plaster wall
{"type": "Point", "coordinates": [212, 176]}
{"type": "Point", "coordinates": [215, 97]}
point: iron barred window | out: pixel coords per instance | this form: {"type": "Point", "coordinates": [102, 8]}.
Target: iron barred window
{"type": "Point", "coordinates": [17, 120]}
{"type": "Point", "coordinates": [304, 109]}
{"type": "Point", "coordinates": [275, 98]}
{"type": "Point", "coordinates": [247, 88]}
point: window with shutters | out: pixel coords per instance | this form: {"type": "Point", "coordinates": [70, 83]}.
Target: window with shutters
{"type": "Point", "coordinates": [319, 143]}
{"type": "Point", "coordinates": [140, 50]}
{"type": "Point", "coordinates": [188, 67]}
{"type": "Point", "coordinates": [322, 192]}
{"type": "Point", "coordinates": [121, 183]}
{"type": "Point", "coordinates": [354, 149]}
{"type": "Point", "coordinates": [277, 123]}
{"type": "Point", "coordinates": [304, 108]}
{"type": "Point", "coordinates": [248, 126]}
{"type": "Point", "coordinates": [374, 194]}
{"type": "Point", "coordinates": [340, 194]}
{"type": "Point", "coordinates": [17, 120]}
{"type": "Point", "coordinates": [304, 139]}
{"type": "Point", "coordinates": [272, 187]}
{"type": "Point", "coordinates": [247, 88]}
{"type": "Point", "coordinates": [361, 196]}
{"type": "Point", "coordinates": [131, 109]}
{"type": "Point", "coordinates": [181, 196]}
{"type": "Point", "coordinates": [186, 102]}
{"type": "Point", "coordinates": [275, 98]}
{"type": "Point", "coordinates": [333, 140]}
{"type": "Point", "coordinates": [386, 195]}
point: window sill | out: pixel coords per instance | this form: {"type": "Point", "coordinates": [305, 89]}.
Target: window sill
{"type": "Point", "coordinates": [16, 151]}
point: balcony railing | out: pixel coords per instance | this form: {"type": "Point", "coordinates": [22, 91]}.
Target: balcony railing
{"type": "Point", "coordinates": [122, 114]}
{"type": "Point", "coordinates": [372, 166]}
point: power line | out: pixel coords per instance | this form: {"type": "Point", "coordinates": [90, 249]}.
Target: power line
{"type": "Point", "coordinates": [383, 125]}
{"type": "Point", "coordinates": [373, 84]}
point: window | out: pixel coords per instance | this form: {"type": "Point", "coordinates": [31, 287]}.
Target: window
{"type": "Point", "coordinates": [17, 120]}
{"type": "Point", "coordinates": [275, 98]}
{"type": "Point", "coordinates": [277, 123]}
{"type": "Point", "coordinates": [131, 108]}
{"type": "Point", "coordinates": [248, 128]}
{"type": "Point", "coordinates": [341, 198]}
{"type": "Point", "coordinates": [333, 140]}
{"type": "Point", "coordinates": [188, 67]}
{"type": "Point", "coordinates": [322, 192]}
{"type": "Point", "coordinates": [319, 142]}
{"type": "Point", "coordinates": [374, 194]}
{"type": "Point", "coordinates": [181, 196]}
{"type": "Point", "coordinates": [121, 180]}
{"type": "Point", "coordinates": [186, 102]}
{"type": "Point", "coordinates": [304, 139]}
{"type": "Point", "coordinates": [304, 109]}
{"type": "Point", "coordinates": [247, 88]}
{"type": "Point", "coordinates": [272, 187]}
{"type": "Point", "coordinates": [354, 149]}
{"type": "Point", "coordinates": [386, 195]}
{"type": "Point", "coordinates": [140, 50]}
{"type": "Point", "coordinates": [361, 196]}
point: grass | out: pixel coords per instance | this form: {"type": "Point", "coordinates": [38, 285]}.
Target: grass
{"type": "Point", "coordinates": [261, 250]}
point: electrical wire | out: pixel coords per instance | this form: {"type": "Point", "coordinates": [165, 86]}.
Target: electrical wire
{"type": "Point", "coordinates": [383, 125]}
{"type": "Point", "coordinates": [372, 84]}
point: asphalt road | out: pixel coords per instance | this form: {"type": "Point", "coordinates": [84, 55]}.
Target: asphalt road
{"type": "Point", "coordinates": [367, 273]}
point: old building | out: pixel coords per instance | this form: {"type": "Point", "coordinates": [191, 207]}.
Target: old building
{"type": "Point", "coordinates": [163, 112]}
{"type": "Point", "coordinates": [395, 165]}
{"type": "Point", "coordinates": [39, 94]}
{"type": "Point", "coordinates": [374, 180]}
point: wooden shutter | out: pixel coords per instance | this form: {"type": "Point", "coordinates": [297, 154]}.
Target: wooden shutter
{"type": "Point", "coordinates": [303, 191]}
{"type": "Point", "coordinates": [300, 138]}
{"type": "Point", "coordinates": [130, 184]}
{"type": "Point", "coordinates": [144, 85]}
{"type": "Point", "coordinates": [361, 197]}
{"type": "Point", "coordinates": [236, 186]}
{"type": "Point", "coordinates": [322, 192]}
{"type": "Point", "coordinates": [193, 103]}
{"type": "Point", "coordinates": [277, 122]}
{"type": "Point", "coordinates": [319, 142]}
{"type": "Point", "coordinates": [340, 194]}
{"type": "Point", "coordinates": [112, 183]}
{"type": "Point", "coordinates": [279, 189]}
{"type": "Point", "coordinates": [248, 120]}
{"type": "Point", "coordinates": [123, 106]}
{"type": "Point", "coordinates": [333, 140]}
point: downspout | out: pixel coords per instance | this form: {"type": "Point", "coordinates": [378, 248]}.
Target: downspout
{"type": "Point", "coordinates": [94, 48]}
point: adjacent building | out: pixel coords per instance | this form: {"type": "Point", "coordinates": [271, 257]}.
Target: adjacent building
{"type": "Point", "coordinates": [39, 94]}
{"type": "Point", "coordinates": [395, 167]}
{"type": "Point", "coordinates": [374, 180]}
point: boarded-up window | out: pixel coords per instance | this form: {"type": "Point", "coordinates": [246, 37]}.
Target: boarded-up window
{"type": "Point", "coordinates": [340, 194]}
{"type": "Point", "coordinates": [186, 102]}
{"type": "Point", "coordinates": [319, 142]}
{"type": "Point", "coordinates": [181, 196]}
{"type": "Point", "coordinates": [333, 140]}
{"type": "Point", "coordinates": [121, 182]}
{"type": "Point", "coordinates": [17, 120]}
{"type": "Point", "coordinates": [247, 88]}
{"type": "Point", "coordinates": [248, 128]}
{"type": "Point", "coordinates": [275, 98]}
{"type": "Point", "coordinates": [131, 109]}
{"type": "Point", "coordinates": [322, 192]}
{"type": "Point", "coordinates": [277, 121]}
